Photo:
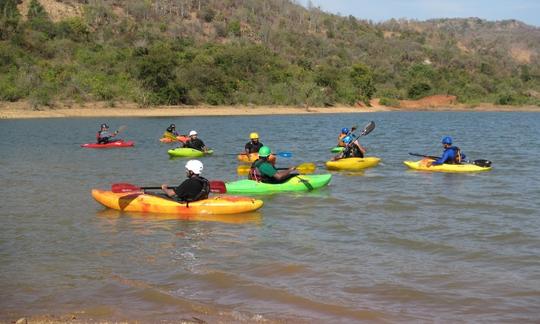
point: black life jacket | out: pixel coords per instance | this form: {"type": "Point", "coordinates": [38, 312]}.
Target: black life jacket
{"type": "Point", "coordinates": [205, 191]}
{"type": "Point", "coordinates": [253, 148]}
{"type": "Point", "coordinates": [352, 151]}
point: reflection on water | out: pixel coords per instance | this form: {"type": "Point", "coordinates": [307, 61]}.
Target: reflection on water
{"type": "Point", "coordinates": [253, 217]}
{"type": "Point", "coordinates": [384, 244]}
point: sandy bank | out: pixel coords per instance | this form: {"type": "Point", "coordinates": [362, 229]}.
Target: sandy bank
{"type": "Point", "coordinates": [10, 110]}
{"type": "Point", "coordinates": [99, 109]}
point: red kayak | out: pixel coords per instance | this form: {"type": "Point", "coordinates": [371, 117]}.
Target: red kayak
{"type": "Point", "coordinates": [118, 143]}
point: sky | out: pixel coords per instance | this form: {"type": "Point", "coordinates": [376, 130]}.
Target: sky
{"type": "Point", "coordinates": [527, 11]}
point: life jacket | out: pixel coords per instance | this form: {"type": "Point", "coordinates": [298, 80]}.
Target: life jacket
{"type": "Point", "coordinates": [340, 140]}
{"type": "Point", "coordinates": [196, 144]}
{"type": "Point", "coordinates": [203, 194]}
{"type": "Point", "coordinates": [352, 151]}
{"type": "Point", "coordinates": [256, 175]}
{"type": "Point", "coordinates": [252, 147]}
{"type": "Point", "coordinates": [458, 157]}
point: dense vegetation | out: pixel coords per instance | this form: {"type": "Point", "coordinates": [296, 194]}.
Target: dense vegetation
{"type": "Point", "coordinates": [256, 52]}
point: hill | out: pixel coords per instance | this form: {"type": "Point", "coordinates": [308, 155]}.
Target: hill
{"type": "Point", "coordinates": [255, 52]}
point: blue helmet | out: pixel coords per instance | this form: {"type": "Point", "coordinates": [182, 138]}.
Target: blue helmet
{"type": "Point", "coordinates": [447, 140]}
{"type": "Point", "coordinates": [344, 130]}
{"type": "Point", "coordinates": [347, 139]}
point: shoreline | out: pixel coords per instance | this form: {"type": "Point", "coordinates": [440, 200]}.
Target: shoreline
{"type": "Point", "coordinates": [22, 110]}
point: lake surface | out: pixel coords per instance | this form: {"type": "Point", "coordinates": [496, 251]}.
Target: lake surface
{"type": "Point", "coordinates": [386, 245]}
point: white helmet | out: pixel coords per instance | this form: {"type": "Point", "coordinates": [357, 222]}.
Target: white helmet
{"type": "Point", "coordinates": [194, 166]}
{"type": "Point", "coordinates": [192, 132]}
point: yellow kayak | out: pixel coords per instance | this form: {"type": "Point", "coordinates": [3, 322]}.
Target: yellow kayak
{"type": "Point", "coordinates": [464, 167]}
{"type": "Point", "coordinates": [353, 164]}
{"type": "Point", "coordinates": [141, 202]}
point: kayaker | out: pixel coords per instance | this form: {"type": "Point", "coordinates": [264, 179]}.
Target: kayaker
{"type": "Point", "coordinates": [103, 136]}
{"type": "Point", "coordinates": [194, 142]}
{"type": "Point", "coordinates": [264, 171]}
{"type": "Point", "coordinates": [193, 188]}
{"type": "Point", "coordinates": [341, 136]}
{"type": "Point", "coordinates": [253, 146]}
{"type": "Point", "coordinates": [352, 149]}
{"type": "Point", "coordinates": [171, 132]}
{"type": "Point", "coordinates": [451, 154]}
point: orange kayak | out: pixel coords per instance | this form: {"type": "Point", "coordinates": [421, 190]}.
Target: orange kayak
{"type": "Point", "coordinates": [141, 202]}
{"type": "Point", "coordinates": [247, 158]}
{"type": "Point", "coordinates": [170, 140]}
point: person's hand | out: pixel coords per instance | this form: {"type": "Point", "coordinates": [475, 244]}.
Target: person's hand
{"type": "Point", "coordinates": [164, 186]}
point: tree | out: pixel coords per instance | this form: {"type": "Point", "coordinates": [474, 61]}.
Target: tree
{"type": "Point", "coordinates": [362, 79]}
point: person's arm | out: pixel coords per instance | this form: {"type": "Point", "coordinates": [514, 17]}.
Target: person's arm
{"type": "Point", "coordinates": [204, 148]}
{"type": "Point", "coordinates": [442, 159]}
{"type": "Point", "coordinates": [246, 149]}
{"type": "Point", "coordinates": [281, 174]}
{"type": "Point", "coordinates": [360, 147]}
{"type": "Point", "coordinates": [168, 191]}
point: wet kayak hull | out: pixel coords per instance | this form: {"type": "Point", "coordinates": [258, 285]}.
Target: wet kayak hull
{"type": "Point", "coordinates": [464, 167]}
{"type": "Point", "coordinates": [353, 164]}
{"type": "Point", "coordinates": [141, 202]}
{"type": "Point", "coordinates": [181, 139]}
{"type": "Point", "coordinates": [298, 183]}
{"type": "Point", "coordinates": [248, 158]}
{"type": "Point", "coordinates": [187, 152]}
{"type": "Point", "coordinates": [115, 144]}
{"type": "Point", "coordinates": [336, 149]}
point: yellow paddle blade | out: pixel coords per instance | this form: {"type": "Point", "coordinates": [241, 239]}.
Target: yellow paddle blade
{"type": "Point", "coordinates": [304, 168]}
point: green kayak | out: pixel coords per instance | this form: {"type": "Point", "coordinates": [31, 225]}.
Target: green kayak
{"type": "Point", "coordinates": [298, 183]}
{"type": "Point", "coordinates": [336, 149]}
{"type": "Point", "coordinates": [187, 152]}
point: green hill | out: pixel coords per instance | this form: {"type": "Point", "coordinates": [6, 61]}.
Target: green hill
{"type": "Point", "coordinates": [255, 52]}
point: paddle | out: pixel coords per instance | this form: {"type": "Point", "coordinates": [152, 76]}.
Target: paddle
{"type": "Point", "coordinates": [282, 154]}
{"type": "Point", "coordinates": [304, 168]}
{"type": "Point", "coordinates": [121, 129]}
{"type": "Point", "coordinates": [367, 129]}
{"type": "Point", "coordinates": [216, 186]}
{"type": "Point", "coordinates": [480, 162]}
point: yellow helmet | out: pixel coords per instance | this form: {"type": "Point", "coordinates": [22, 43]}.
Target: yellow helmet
{"type": "Point", "coordinates": [254, 136]}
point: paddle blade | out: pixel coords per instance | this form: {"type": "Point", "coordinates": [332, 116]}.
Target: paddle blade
{"type": "Point", "coordinates": [217, 186]}
{"type": "Point", "coordinates": [307, 167]}
{"type": "Point", "coordinates": [284, 154]}
{"type": "Point", "coordinates": [368, 129]}
{"type": "Point", "coordinates": [243, 169]}
{"type": "Point", "coordinates": [124, 187]}
{"type": "Point", "coordinates": [303, 168]}
{"type": "Point", "coordinates": [482, 163]}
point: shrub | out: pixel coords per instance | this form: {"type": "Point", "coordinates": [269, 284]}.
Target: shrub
{"type": "Point", "coordinates": [390, 102]}
{"type": "Point", "coordinates": [419, 90]}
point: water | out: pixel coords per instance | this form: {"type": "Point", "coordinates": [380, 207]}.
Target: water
{"type": "Point", "coordinates": [385, 245]}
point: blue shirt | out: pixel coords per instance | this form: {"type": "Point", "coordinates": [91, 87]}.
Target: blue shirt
{"type": "Point", "coordinates": [449, 156]}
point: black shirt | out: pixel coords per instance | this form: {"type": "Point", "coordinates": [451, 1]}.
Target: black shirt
{"type": "Point", "coordinates": [252, 147]}
{"type": "Point", "coordinates": [195, 144]}
{"type": "Point", "coordinates": [190, 189]}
